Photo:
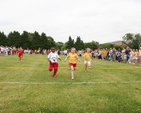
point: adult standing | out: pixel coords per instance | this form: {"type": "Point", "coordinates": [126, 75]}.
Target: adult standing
{"type": "Point", "coordinates": [127, 53]}
{"type": "Point", "coordinates": [140, 55]}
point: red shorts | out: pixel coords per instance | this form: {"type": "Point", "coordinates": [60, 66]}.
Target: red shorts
{"type": "Point", "coordinates": [20, 55]}
{"type": "Point", "coordinates": [53, 66]}
{"type": "Point", "coordinates": [72, 64]}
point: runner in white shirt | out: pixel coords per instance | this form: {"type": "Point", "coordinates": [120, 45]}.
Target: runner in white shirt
{"type": "Point", "coordinates": [52, 58]}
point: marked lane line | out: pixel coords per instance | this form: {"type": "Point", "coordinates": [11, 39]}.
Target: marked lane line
{"type": "Point", "coordinates": [60, 83]}
{"type": "Point", "coordinates": [65, 67]}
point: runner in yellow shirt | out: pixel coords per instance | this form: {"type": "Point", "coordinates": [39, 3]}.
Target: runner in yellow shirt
{"type": "Point", "coordinates": [136, 55]}
{"type": "Point", "coordinates": [87, 58]}
{"type": "Point", "coordinates": [73, 57]}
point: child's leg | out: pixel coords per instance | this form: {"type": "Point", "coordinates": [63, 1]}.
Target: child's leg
{"type": "Point", "coordinates": [130, 60]}
{"type": "Point", "coordinates": [72, 72]}
{"type": "Point", "coordinates": [20, 58]}
{"type": "Point", "coordinates": [136, 61]}
{"type": "Point", "coordinates": [85, 63]}
{"type": "Point", "coordinates": [89, 64]}
{"type": "Point", "coordinates": [86, 67]}
{"type": "Point", "coordinates": [55, 65]}
{"type": "Point", "coordinates": [50, 66]}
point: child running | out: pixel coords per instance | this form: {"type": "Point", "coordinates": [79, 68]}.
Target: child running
{"type": "Point", "coordinates": [20, 53]}
{"type": "Point", "coordinates": [87, 58]}
{"type": "Point", "coordinates": [52, 58]}
{"type": "Point", "coordinates": [73, 57]}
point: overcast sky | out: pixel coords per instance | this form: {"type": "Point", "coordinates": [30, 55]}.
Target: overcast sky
{"type": "Point", "coordinates": [92, 20]}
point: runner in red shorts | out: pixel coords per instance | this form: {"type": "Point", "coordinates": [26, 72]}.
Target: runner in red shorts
{"type": "Point", "coordinates": [20, 53]}
{"type": "Point", "coordinates": [52, 58]}
{"type": "Point", "coordinates": [73, 57]}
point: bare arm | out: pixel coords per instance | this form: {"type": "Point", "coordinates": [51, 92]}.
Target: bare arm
{"type": "Point", "coordinates": [48, 60]}
{"type": "Point", "coordinates": [79, 60]}
{"type": "Point", "coordinates": [66, 58]}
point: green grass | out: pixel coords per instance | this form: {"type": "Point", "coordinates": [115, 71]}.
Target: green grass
{"type": "Point", "coordinates": [28, 87]}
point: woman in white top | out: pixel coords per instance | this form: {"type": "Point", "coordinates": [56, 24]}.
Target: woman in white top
{"type": "Point", "coordinates": [140, 55]}
{"type": "Point", "coordinates": [131, 56]}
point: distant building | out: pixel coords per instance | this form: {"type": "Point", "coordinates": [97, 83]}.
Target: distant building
{"type": "Point", "coordinates": [120, 43]}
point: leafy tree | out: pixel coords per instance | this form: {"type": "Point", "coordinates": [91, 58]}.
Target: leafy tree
{"type": "Point", "coordinates": [51, 41]}
{"type": "Point", "coordinates": [64, 46]}
{"type": "Point", "coordinates": [14, 39]}
{"type": "Point", "coordinates": [133, 40]}
{"type": "Point", "coordinates": [93, 45]}
{"type": "Point", "coordinates": [70, 43]}
{"type": "Point", "coordinates": [137, 41]}
{"type": "Point", "coordinates": [79, 43]}
{"type": "Point", "coordinates": [59, 45]}
{"type": "Point", "coordinates": [107, 45]}
{"type": "Point", "coordinates": [30, 36]}
{"type": "Point", "coordinates": [47, 41]}
{"type": "Point", "coordinates": [36, 41]}
{"type": "Point", "coordinates": [3, 39]}
{"type": "Point", "coordinates": [88, 45]}
{"type": "Point", "coordinates": [44, 41]}
{"type": "Point", "coordinates": [25, 40]}
{"type": "Point", "coordinates": [118, 47]}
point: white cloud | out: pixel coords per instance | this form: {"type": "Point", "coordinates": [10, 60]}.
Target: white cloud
{"type": "Point", "coordinates": [98, 20]}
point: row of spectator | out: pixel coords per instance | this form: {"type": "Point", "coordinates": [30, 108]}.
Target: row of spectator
{"type": "Point", "coordinates": [127, 55]}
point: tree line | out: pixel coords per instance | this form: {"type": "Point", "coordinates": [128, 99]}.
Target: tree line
{"type": "Point", "coordinates": [36, 40]}
{"type": "Point", "coordinates": [28, 40]}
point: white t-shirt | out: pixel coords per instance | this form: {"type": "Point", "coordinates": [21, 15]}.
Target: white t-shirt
{"type": "Point", "coordinates": [139, 52]}
{"type": "Point", "coordinates": [53, 57]}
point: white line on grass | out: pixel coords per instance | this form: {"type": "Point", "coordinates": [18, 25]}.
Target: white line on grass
{"type": "Point", "coordinates": [53, 83]}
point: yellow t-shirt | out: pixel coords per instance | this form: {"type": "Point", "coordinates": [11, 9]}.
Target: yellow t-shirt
{"type": "Point", "coordinates": [87, 56]}
{"type": "Point", "coordinates": [72, 58]}
{"type": "Point", "coordinates": [105, 53]}
{"type": "Point", "coordinates": [136, 54]}
{"type": "Point", "coordinates": [102, 52]}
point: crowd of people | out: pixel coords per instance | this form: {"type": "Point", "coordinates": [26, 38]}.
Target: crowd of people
{"type": "Point", "coordinates": [5, 50]}
{"type": "Point", "coordinates": [126, 55]}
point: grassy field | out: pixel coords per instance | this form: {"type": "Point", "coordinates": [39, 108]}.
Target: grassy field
{"type": "Point", "coordinates": [28, 87]}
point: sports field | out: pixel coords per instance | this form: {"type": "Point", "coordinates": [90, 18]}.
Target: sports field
{"type": "Point", "coordinates": [28, 87]}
